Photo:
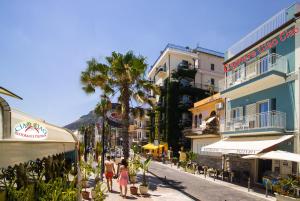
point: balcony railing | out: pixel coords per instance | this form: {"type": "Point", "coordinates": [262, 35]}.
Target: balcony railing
{"type": "Point", "coordinates": [242, 74]}
{"type": "Point", "coordinates": [265, 120]}
{"type": "Point", "coordinates": [267, 27]}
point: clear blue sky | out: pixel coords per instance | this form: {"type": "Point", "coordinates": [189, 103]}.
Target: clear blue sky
{"type": "Point", "coordinates": [44, 45]}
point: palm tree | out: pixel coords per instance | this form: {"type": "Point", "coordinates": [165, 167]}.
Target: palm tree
{"type": "Point", "coordinates": [101, 109]}
{"type": "Point", "coordinates": [83, 131]}
{"type": "Point", "coordinates": [123, 75]}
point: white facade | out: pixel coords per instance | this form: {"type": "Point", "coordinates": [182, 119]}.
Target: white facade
{"type": "Point", "coordinates": [208, 63]}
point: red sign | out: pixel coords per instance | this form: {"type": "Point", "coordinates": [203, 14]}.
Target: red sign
{"type": "Point", "coordinates": [284, 35]}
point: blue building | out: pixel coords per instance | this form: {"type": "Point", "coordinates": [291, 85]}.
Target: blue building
{"type": "Point", "coordinates": [261, 89]}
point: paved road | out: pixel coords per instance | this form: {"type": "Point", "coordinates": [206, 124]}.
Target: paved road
{"type": "Point", "coordinates": [199, 188]}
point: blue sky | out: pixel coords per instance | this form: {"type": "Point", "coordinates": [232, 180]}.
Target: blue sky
{"type": "Point", "coordinates": [44, 45]}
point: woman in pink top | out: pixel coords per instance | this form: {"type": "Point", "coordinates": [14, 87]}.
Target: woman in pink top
{"type": "Point", "coordinates": [123, 177]}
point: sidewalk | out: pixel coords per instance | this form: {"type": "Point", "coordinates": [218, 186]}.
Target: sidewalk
{"type": "Point", "coordinates": [259, 194]}
{"type": "Point", "coordinates": [157, 191]}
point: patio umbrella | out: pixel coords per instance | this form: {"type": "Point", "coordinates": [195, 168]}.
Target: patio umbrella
{"type": "Point", "coordinates": [276, 155]}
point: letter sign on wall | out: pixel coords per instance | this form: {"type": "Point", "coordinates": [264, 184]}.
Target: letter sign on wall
{"type": "Point", "coordinates": [284, 35]}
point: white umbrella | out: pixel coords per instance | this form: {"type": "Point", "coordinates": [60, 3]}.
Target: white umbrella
{"type": "Point", "coordinates": [276, 155]}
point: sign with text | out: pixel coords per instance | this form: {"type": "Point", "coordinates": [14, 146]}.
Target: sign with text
{"type": "Point", "coordinates": [30, 130]}
{"type": "Point", "coordinates": [283, 36]}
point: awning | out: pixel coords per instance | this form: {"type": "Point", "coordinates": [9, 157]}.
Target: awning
{"type": "Point", "coordinates": [276, 155]}
{"type": "Point", "coordinates": [245, 145]}
{"type": "Point", "coordinates": [33, 138]}
{"type": "Point", "coordinates": [8, 93]}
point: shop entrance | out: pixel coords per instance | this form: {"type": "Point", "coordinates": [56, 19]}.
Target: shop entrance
{"type": "Point", "coordinates": [263, 167]}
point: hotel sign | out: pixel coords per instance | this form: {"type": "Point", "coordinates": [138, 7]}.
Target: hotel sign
{"type": "Point", "coordinates": [283, 36]}
{"type": "Point", "coordinates": [30, 130]}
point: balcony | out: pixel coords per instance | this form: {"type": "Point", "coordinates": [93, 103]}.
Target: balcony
{"type": "Point", "coordinates": [259, 75]}
{"type": "Point", "coordinates": [161, 72]}
{"type": "Point", "coordinates": [267, 122]}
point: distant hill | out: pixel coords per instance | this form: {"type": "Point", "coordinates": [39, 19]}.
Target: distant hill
{"type": "Point", "coordinates": [89, 118]}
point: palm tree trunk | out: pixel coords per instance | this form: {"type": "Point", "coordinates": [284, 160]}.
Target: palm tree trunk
{"type": "Point", "coordinates": [126, 110]}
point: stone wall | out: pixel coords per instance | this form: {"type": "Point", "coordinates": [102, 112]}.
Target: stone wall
{"type": "Point", "coordinates": [210, 161]}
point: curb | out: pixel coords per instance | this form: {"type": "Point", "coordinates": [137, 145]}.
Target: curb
{"type": "Point", "coordinates": [270, 198]}
{"type": "Point", "coordinates": [174, 186]}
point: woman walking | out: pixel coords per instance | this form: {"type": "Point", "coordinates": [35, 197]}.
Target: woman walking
{"type": "Point", "coordinates": [123, 178]}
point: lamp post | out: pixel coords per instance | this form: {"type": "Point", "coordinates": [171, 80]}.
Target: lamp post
{"type": "Point", "coordinates": [103, 147]}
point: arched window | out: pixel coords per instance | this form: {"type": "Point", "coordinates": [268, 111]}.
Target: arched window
{"type": "Point", "coordinates": [196, 121]}
{"type": "Point", "coordinates": [213, 114]}
{"type": "Point", "coordinates": [200, 119]}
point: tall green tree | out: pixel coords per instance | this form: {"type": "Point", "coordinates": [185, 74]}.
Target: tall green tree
{"type": "Point", "coordinates": [122, 75]}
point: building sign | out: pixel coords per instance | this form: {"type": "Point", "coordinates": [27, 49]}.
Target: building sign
{"type": "Point", "coordinates": [283, 36]}
{"type": "Point", "coordinates": [30, 130]}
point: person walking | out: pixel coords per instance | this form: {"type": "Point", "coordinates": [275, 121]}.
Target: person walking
{"type": "Point", "coordinates": [109, 172]}
{"type": "Point", "coordinates": [123, 178]}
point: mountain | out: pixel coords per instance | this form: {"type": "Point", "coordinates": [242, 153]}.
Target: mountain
{"type": "Point", "coordinates": [89, 118]}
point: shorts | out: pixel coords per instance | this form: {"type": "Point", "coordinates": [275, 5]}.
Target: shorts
{"type": "Point", "coordinates": [109, 175]}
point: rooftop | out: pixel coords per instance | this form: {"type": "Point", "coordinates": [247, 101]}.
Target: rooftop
{"type": "Point", "coordinates": [188, 50]}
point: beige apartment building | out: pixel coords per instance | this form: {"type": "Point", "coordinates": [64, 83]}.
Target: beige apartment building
{"type": "Point", "coordinates": [208, 63]}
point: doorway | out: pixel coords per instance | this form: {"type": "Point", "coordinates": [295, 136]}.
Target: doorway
{"type": "Point", "coordinates": [264, 166]}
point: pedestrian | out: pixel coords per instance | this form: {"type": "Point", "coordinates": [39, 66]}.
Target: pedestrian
{"type": "Point", "coordinates": [109, 172]}
{"type": "Point", "coordinates": [123, 178]}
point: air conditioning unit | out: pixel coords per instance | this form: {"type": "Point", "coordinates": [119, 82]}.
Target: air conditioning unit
{"type": "Point", "coordinates": [219, 106]}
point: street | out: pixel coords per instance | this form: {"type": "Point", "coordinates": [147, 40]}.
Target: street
{"type": "Point", "coordinates": [197, 188]}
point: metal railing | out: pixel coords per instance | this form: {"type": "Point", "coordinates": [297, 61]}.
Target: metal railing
{"type": "Point", "coordinates": [251, 70]}
{"type": "Point", "coordinates": [267, 27]}
{"type": "Point", "coordinates": [271, 119]}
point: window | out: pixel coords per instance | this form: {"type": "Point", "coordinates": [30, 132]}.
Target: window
{"type": "Point", "coordinates": [200, 120]}
{"type": "Point", "coordinates": [263, 64]}
{"type": "Point", "coordinates": [237, 114]}
{"type": "Point", "coordinates": [212, 67]}
{"type": "Point", "coordinates": [263, 108]}
{"type": "Point", "coordinates": [212, 81]}
{"type": "Point", "coordinates": [196, 121]}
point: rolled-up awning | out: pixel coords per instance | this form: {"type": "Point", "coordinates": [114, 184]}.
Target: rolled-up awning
{"type": "Point", "coordinates": [276, 155]}
{"type": "Point", "coordinates": [33, 138]}
{"type": "Point", "coordinates": [9, 93]}
{"type": "Point", "coordinates": [245, 145]}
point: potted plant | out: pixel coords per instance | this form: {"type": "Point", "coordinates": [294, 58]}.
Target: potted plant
{"type": "Point", "coordinates": [98, 193]}
{"type": "Point", "coordinates": [86, 170]}
{"type": "Point", "coordinates": [175, 160]}
{"type": "Point", "coordinates": [98, 172]}
{"type": "Point", "coordinates": [144, 186]}
{"type": "Point", "coordinates": [285, 189]}
{"type": "Point", "coordinates": [134, 165]}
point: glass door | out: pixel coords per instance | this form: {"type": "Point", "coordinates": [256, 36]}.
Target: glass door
{"type": "Point", "coordinates": [263, 64]}
{"type": "Point", "coordinates": [263, 114]}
